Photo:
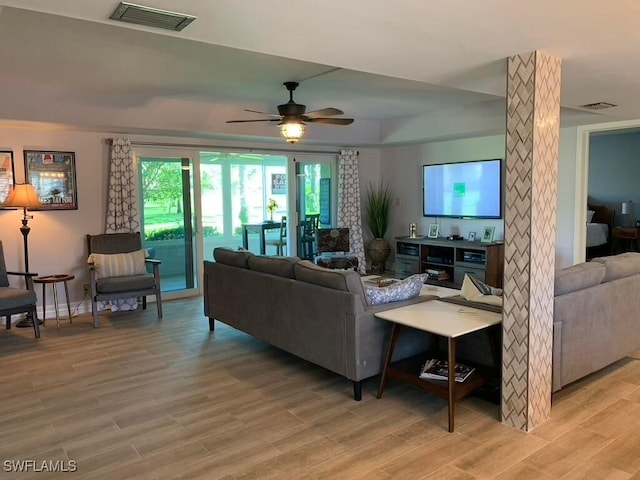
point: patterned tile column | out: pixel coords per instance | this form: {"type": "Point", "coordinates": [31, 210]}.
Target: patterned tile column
{"type": "Point", "coordinates": [533, 128]}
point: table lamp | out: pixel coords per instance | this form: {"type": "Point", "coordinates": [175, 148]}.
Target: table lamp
{"type": "Point", "coordinates": [25, 196]}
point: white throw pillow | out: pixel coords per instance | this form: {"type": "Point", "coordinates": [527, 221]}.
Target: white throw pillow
{"type": "Point", "coordinates": [118, 264]}
{"type": "Point", "coordinates": [474, 290]}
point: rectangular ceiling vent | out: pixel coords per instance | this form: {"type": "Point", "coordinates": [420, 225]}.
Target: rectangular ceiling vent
{"type": "Point", "coordinates": [151, 17]}
{"type": "Point", "coordinates": [598, 105]}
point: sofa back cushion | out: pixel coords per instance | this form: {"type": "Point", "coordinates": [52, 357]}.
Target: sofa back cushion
{"type": "Point", "coordinates": [280, 266]}
{"type": "Point", "coordinates": [234, 258]}
{"type": "Point", "coordinates": [345, 280]}
{"type": "Point", "coordinates": [620, 266]}
{"type": "Point", "coordinates": [578, 277]}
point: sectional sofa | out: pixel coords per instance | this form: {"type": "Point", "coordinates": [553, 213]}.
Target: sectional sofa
{"type": "Point", "coordinates": [316, 314]}
{"type": "Point", "coordinates": [596, 319]}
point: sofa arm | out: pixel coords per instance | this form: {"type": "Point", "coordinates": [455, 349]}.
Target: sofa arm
{"type": "Point", "coordinates": [367, 339]}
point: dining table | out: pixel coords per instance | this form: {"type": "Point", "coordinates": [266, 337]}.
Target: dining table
{"type": "Point", "coordinates": [260, 229]}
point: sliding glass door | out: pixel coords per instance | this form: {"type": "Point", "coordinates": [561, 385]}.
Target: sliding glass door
{"type": "Point", "coordinates": [167, 218]}
{"type": "Point", "coordinates": [315, 208]}
{"type": "Point", "coordinates": [237, 190]}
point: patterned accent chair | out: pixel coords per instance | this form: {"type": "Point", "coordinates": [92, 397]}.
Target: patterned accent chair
{"type": "Point", "coordinates": [119, 270]}
{"type": "Point", "coordinates": [17, 300]}
{"type": "Point", "coordinates": [333, 249]}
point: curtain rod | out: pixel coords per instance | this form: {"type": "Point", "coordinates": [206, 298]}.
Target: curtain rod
{"type": "Point", "coordinates": [227, 147]}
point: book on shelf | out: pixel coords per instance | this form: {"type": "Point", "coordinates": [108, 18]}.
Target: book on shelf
{"type": "Point", "coordinates": [437, 274]}
{"type": "Point", "coordinates": [439, 370]}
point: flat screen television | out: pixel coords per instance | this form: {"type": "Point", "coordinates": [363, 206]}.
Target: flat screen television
{"type": "Point", "coordinates": [463, 189]}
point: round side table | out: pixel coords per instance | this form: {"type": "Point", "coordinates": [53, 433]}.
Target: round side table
{"type": "Point", "coordinates": [53, 280]}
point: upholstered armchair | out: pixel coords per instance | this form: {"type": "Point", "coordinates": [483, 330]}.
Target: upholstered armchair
{"type": "Point", "coordinates": [118, 269]}
{"type": "Point", "coordinates": [17, 300]}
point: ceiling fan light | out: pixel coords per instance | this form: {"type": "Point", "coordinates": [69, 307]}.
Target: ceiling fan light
{"type": "Point", "coordinates": [292, 131]}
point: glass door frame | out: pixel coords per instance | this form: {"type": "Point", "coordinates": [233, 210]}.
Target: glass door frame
{"type": "Point", "coordinates": [295, 199]}
{"type": "Point", "coordinates": [193, 158]}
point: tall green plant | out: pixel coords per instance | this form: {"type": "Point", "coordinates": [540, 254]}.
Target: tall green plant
{"type": "Point", "coordinates": [378, 210]}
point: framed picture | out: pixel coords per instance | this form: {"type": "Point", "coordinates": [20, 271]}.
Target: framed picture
{"type": "Point", "coordinates": [53, 175]}
{"type": "Point", "coordinates": [487, 236]}
{"type": "Point", "coordinates": [7, 175]}
{"type": "Point", "coordinates": [434, 230]}
{"type": "Point", "coordinates": [471, 237]}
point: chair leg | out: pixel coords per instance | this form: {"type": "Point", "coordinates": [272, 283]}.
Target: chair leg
{"type": "Point", "coordinates": [144, 302]}
{"type": "Point", "coordinates": [36, 324]}
{"type": "Point", "coordinates": [94, 310]}
{"type": "Point", "coordinates": [8, 322]}
{"type": "Point", "coordinates": [159, 304]}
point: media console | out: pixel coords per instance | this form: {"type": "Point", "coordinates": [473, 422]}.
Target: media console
{"type": "Point", "coordinates": [447, 261]}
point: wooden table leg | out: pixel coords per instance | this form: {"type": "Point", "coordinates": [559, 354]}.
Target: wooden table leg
{"type": "Point", "coordinates": [452, 380]}
{"type": "Point", "coordinates": [66, 292]}
{"type": "Point", "coordinates": [387, 361]}
{"type": "Point", "coordinates": [55, 302]}
{"type": "Point", "coordinates": [44, 305]}
{"type": "Point", "coordinates": [245, 238]}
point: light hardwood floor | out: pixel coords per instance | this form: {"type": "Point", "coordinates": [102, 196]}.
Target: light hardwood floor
{"type": "Point", "coordinates": [142, 398]}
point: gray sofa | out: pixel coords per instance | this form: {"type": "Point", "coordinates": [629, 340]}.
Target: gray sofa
{"type": "Point", "coordinates": [317, 314]}
{"type": "Point", "coordinates": [596, 316]}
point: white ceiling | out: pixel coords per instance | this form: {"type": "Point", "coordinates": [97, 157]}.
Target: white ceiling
{"type": "Point", "coordinates": [399, 68]}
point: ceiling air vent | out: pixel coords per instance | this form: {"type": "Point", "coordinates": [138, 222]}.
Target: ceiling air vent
{"type": "Point", "coordinates": [598, 105]}
{"type": "Point", "coordinates": [151, 17]}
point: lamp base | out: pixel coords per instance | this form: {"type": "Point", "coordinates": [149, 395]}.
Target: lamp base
{"type": "Point", "coordinates": [27, 322]}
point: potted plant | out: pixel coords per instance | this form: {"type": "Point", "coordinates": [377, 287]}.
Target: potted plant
{"type": "Point", "coordinates": [271, 207]}
{"type": "Point", "coordinates": [378, 216]}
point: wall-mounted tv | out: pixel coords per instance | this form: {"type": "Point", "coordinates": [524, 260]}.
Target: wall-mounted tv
{"type": "Point", "coordinates": [463, 189]}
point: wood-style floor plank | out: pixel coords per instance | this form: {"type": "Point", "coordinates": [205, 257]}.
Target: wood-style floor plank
{"type": "Point", "coordinates": [167, 399]}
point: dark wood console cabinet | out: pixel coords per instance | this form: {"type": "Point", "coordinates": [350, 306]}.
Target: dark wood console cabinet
{"type": "Point", "coordinates": [447, 261]}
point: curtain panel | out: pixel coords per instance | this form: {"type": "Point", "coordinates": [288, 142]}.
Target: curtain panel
{"type": "Point", "coordinates": [349, 212]}
{"type": "Point", "coordinates": [122, 210]}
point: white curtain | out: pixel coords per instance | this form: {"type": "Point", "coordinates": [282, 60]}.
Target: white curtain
{"type": "Point", "coordinates": [349, 215]}
{"type": "Point", "coordinates": [122, 210]}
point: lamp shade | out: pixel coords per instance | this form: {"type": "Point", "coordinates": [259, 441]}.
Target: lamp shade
{"type": "Point", "coordinates": [292, 131]}
{"type": "Point", "coordinates": [23, 195]}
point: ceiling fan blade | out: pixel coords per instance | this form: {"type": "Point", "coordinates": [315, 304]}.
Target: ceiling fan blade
{"type": "Point", "coordinates": [262, 113]}
{"type": "Point", "coordinates": [331, 121]}
{"type": "Point", "coordinates": [259, 120]}
{"type": "Point", "coordinates": [325, 112]}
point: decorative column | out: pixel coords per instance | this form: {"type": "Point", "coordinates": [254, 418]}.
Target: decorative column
{"type": "Point", "coordinates": [533, 130]}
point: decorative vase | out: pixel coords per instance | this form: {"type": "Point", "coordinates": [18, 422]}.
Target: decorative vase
{"type": "Point", "coordinates": [378, 250]}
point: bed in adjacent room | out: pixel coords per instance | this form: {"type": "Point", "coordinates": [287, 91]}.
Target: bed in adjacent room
{"type": "Point", "coordinates": [599, 226]}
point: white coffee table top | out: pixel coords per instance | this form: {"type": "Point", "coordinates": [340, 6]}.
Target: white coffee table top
{"type": "Point", "coordinates": [446, 319]}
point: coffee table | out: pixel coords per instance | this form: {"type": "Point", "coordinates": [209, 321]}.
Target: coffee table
{"type": "Point", "coordinates": [447, 320]}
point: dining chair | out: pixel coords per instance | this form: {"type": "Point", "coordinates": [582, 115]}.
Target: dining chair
{"type": "Point", "coordinates": [308, 235]}
{"type": "Point", "coordinates": [281, 241]}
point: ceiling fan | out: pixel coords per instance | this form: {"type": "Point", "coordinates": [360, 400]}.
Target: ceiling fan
{"type": "Point", "coordinates": [292, 117]}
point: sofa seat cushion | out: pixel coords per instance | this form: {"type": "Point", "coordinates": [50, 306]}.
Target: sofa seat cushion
{"type": "Point", "coordinates": [231, 257]}
{"type": "Point", "coordinates": [345, 280]}
{"type": "Point", "coordinates": [129, 283]}
{"type": "Point", "coordinates": [620, 266]}
{"type": "Point", "coordinates": [403, 290]}
{"type": "Point", "coordinates": [578, 277]}
{"type": "Point", "coordinates": [16, 297]}
{"type": "Point", "coordinates": [273, 265]}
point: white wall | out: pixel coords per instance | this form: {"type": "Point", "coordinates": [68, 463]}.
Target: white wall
{"type": "Point", "coordinates": [401, 168]}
